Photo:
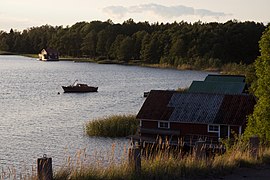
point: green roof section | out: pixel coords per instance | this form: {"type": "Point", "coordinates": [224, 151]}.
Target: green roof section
{"type": "Point", "coordinates": [225, 78]}
{"type": "Point", "coordinates": [220, 87]}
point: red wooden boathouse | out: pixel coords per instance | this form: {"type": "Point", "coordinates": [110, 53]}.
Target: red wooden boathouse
{"type": "Point", "coordinates": [193, 116]}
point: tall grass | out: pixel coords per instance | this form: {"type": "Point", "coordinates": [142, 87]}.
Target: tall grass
{"type": "Point", "coordinates": [13, 173]}
{"type": "Point", "coordinates": [6, 53]}
{"type": "Point", "coordinates": [112, 126]}
{"type": "Point", "coordinates": [167, 165]}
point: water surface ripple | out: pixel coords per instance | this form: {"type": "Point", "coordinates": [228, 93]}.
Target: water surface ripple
{"type": "Point", "coordinates": [36, 120]}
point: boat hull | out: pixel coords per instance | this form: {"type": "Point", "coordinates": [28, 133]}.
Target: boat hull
{"type": "Point", "coordinates": [75, 89]}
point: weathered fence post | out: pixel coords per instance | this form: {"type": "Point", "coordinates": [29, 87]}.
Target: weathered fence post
{"type": "Point", "coordinates": [254, 143]}
{"type": "Point", "coordinates": [44, 168]}
{"type": "Point", "coordinates": [199, 150]}
{"type": "Point", "coordinates": [134, 157]}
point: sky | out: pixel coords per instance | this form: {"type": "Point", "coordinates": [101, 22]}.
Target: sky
{"type": "Point", "coordinates": [23, 14]}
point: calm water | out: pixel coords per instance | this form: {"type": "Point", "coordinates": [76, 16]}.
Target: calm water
{"type": "Point", "coordinates": [36, 120]}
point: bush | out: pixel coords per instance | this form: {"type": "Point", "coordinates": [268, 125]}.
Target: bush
{"type": "Point", "coordinates": [113, 126]}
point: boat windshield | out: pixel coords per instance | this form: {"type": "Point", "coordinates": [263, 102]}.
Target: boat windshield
{"type": "Point", "coordinates": [75, 83]}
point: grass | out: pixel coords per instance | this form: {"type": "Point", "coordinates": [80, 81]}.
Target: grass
{"type": "Point", "coordinates": [107, 61]}
{"type": "Point", "coordinates": [112, 126]}
{"type": "Point", "coordinates": [165, 165]}
{"type": "Point", "coordinates": [76, 59]}
{"type": "Point", "coordinates": [235, 69]}
{"type": "Point", "coordinates": [6, 53]}
{"type": "Point", "coordinates": [31, 55]}
{"type": "Point", "coordinates": [12, 173]}
{"type": "Point", "coordinates": [185, 89]}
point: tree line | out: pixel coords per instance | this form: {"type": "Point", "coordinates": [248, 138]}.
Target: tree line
{"type": "Point", "coordinates": [197, 44]}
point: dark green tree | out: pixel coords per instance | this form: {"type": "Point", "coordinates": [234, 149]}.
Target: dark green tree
{"type": "Point", "coordinates": [152, 52]}
{"type": "Point", "coordinates": [197, 44]}
{"type": "Point", "coordinates": [113, 30]}
{"type": "Point", "coordinates": [10, 40]}
{"type": "Point", "coordinates": [114, 49]}
{"type": "Point", "coordinates": [3, 41]}
{"type": "Point", "coordinates": [144, 46]}
{"type": "Point", "coordinates": [178, 48]}
{"type": "Point", "coordinates": [101, 43]}
{"type": "Point", "coordinates": [126, 49]}
{"type": "Point", "coordinates": [89, 44]}
{"type": "Point", "coordinates": [259, 122]}
{"type": "Point", "coordinates": [138, 38]}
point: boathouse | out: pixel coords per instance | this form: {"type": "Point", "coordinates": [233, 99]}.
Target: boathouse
{"type": "Point", "coordinates": [49, 54]}
{"type": "Point", "coordinates": [193, 116]}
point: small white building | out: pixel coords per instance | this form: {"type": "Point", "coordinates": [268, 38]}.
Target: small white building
{"type": "Point", "coordinates": [48, 55]}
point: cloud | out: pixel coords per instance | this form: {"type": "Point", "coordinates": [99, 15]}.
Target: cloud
{"type": "Point", "coordinates": [205, 12]}
{"type": "Point", "coordinates": [8, 22]}
{"type": "Point", "coordinates": [172, 11]}
{"type": "Point", "coordinates": [161, 10]}
{"type": "Point", "coordinates": [116, 11]}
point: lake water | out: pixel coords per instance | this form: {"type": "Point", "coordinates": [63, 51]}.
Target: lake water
{"type": "Point", "coordinates": [36, 120]}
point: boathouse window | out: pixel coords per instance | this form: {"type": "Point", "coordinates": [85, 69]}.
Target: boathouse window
{"type": "Point", "coordinates": [163, 125]}
{"type": "Point", "coordinates": [213, 128]}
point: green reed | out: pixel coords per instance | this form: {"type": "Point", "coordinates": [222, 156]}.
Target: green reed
{"type": "Point", "coordinates": [112, 126]}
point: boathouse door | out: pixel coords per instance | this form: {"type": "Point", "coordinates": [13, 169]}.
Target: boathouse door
{"type": "Point", "coordinates": [223, 131]}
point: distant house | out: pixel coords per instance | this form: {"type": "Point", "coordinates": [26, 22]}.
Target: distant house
{"type": "Point", "coordinates": [49, 55]}
{"type": "Point", "coordinates": [224, 84]}
{"type": "Point", "coordinates": [193, 116]}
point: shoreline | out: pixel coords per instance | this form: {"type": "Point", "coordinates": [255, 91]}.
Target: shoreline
{"type": "Point", "coordinates": [131, 63]}
{"type": "Point", "coordinates": [229, 68]}
{"type": "Point", "coordinates": [226, 69]}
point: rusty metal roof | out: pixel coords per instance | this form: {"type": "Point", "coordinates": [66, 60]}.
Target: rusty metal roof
{"type": "Point", "coordinates": [234, 109]}
{"type": "Point", "coordinates": [199, 108]}
{"type": "Point", "coordinates": [155, 106]}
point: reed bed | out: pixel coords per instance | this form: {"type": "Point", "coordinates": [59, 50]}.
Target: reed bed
{"type": "Point", "coordinates": [112, 126]}
{"type": "Point", "coordinates": [12, 173]}
{"type": "Point", "coordinates": [165, 164]}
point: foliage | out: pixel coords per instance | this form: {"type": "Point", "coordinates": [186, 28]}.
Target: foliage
{"type": "Point", "coordinates": [126, 49]}
{"type": "Point", "coordinates": [259, 122]}
{"type": "Point", "coordinates": [185, 89]}
{"type": "Point", "coordinates": [165, 164]}
{"type": "Point", "coordinates": [113, 126]}
{"type": "Point", "coordinates": [181, 45]}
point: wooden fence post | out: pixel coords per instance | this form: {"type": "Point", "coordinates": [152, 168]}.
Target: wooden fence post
{"type": "Point", "coordinates": [254, 143]}
{"type": "Point", "coordinates": [44, 168]}
{"type": "Point", "coordinates": [134, 156]}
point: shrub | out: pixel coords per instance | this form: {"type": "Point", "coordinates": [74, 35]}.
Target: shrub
{"type": "Point", "coordinates": [113, 126]}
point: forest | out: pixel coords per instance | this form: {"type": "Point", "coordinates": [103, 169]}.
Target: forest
{"type": "Point", "coordinates": [196, 44]}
